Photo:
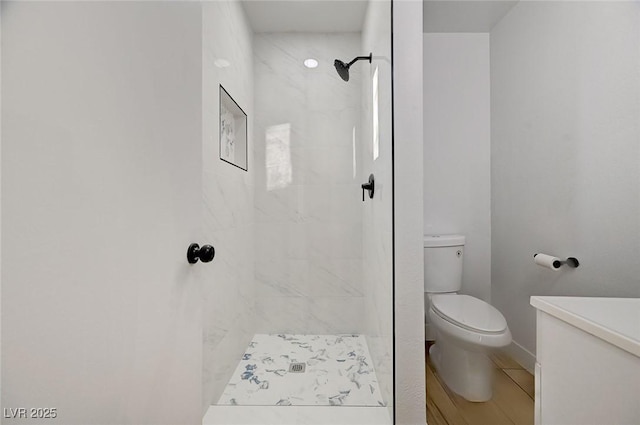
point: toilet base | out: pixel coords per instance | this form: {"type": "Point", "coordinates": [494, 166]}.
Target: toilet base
{"type": "Point", "coordinates": [467, 373]}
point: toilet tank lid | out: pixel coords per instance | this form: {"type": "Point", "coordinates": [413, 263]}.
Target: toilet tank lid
{"type": "Point", "coordinates": [434, 241]}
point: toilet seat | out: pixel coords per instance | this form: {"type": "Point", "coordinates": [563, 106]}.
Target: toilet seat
{"type": "Point", "coordinates": [472, 322]}
{"type": "Point", "coordinates": [469, 313]}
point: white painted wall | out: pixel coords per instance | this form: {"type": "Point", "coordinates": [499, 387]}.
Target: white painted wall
{"type": "Point", "coordinates": [457, 182]}
{"type": "Point", "coordinates": [445, 16]}
{"type": "Point", "coordinates": [565, 118]}
{"type": "Point", "coordinates": [307, 192]}
{"type": "Point", "coordinates": [100, 198]}
{"type": "Point", "coordinates": [228, 197]}
{"type": "Point", "coordinates": [377, 237]}
{"type": "Point", "coordinates": [408, 142]}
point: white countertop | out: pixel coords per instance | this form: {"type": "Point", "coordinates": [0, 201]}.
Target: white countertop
{"type": "Point", "coordinates": [615, 320]}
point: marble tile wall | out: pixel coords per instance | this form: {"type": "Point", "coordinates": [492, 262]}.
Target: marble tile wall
{"type": "Point", "coordinates": [377, 214]}
{"type": "Point", "coordinates": [308, 206]}
{"type": "Point", "coordinates": [228, 198]}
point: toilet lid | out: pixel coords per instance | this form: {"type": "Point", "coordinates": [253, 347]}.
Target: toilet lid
{"type": "Point", "coordinates": [469, 312]}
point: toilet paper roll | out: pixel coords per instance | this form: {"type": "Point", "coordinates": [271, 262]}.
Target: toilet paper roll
{"type": "Point", "coordinates": [547, 261]}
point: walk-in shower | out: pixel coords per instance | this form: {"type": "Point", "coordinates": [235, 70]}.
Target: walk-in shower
{"type": "Point", "coordinates": [311, 324]}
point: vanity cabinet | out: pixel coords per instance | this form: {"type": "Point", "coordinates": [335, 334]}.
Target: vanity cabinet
{"type": "Point", "coordinates": [587, 368]}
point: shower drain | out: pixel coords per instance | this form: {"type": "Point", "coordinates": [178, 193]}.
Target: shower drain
{"type": "Point", "coordinates": [297, 367]}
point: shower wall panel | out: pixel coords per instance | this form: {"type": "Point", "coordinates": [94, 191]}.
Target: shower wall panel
{"type": "Point", "coordinates": [228, 198]}
{"type": "Point", "coordinates": [377, 227]}
{"type": "Point", "coordinates": [308, 204]}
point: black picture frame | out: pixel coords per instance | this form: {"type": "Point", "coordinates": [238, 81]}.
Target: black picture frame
{"type": "Point", "coordinates": [232, 135]}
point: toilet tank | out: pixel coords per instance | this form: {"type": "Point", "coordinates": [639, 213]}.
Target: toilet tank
{"type": "Point", "coordinates": [443, 263]}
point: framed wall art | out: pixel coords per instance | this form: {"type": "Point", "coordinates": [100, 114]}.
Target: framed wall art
{"type": "Point", "coordinates": [233, 131]}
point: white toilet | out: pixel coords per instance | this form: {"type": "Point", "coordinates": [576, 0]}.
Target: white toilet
{"type": "Point", "coordinates": [466, 328]}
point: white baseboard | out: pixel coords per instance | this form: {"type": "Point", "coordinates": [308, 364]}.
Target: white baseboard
{"type": "Point", "coordinates": [524, 357]}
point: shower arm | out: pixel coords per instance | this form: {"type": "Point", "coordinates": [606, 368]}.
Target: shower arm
{"type": "Point", "coordinates": [360, 58]}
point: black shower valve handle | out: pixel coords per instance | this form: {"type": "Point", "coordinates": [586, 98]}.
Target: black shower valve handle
{"type": "Point", "coordinates": [195, 252]}
{"type": "Point", "coordinates": [370, 186]}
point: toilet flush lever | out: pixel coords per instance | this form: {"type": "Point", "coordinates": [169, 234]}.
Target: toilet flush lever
{"type": "Point", "coordinates": [370, 186]}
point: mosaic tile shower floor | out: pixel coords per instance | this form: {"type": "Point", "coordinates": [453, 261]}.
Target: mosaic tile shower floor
{"type": "Point", "coordinates": [339, 371]}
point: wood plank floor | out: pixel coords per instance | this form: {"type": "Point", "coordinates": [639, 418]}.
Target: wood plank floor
{"type": "Point", "coordinates": [512, 402]}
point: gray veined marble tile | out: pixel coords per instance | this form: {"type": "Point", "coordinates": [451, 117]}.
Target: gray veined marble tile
{"type": "Point", "coordinates": [339, 372]}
